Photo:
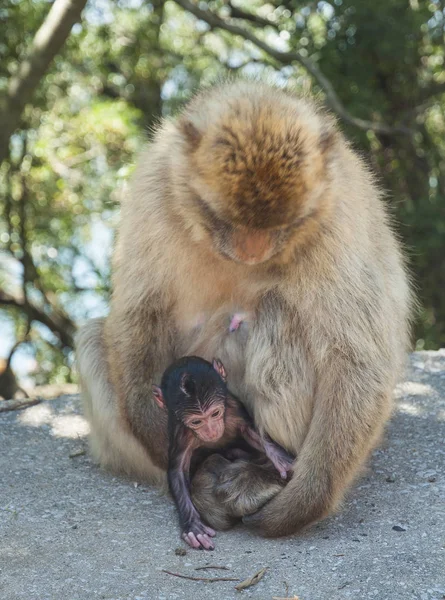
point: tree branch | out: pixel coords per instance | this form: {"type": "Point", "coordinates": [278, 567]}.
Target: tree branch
{"type": "Point", "coordinates": [61, 326]}
{"type": "Point", "coordinates": [426, 98]}
{"type": "Point", "coordinates": [332, 100]}
{"type": "Point", "coordinates": [238, 13]}
{"type": "Point", "coordinates": [47, 42]}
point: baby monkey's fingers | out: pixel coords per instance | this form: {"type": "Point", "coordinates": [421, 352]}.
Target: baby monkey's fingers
{"type": "Point", "coordinates": [199, 537]}
{"type": "Point", "coordinates": [283, 462]}
{"type": "Point", "coordinates": [206, 541]}
{"type": "Point", "coordinates": [209, 531]}
{"type": "Point", "coordinates": [191, 540]}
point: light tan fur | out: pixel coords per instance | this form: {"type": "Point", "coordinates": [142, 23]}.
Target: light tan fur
{"type": "Point", "coordinates": [320, 273]}
{"type": "Point", "coordinates": [110, 444]}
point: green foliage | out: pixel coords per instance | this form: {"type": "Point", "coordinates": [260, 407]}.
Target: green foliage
{"type": "Point", "coordinates": [131, 62]}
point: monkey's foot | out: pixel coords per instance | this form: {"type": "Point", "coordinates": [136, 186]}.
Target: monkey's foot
{"type": "Point", "coordinates": [236, 321]}
{"type": "Point", "coordinates": [199, 536]}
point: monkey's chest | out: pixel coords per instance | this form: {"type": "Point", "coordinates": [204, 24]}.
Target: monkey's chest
{"type": "Point", "coordinates": [222, 334]}
{"type": "Point", "coordinates": [206, 331]}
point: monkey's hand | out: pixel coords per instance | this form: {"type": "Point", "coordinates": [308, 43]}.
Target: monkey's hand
{"type": "Point", "coordinates": [281, 460]}
{"type": "Point", "coordinates": [197, 535]}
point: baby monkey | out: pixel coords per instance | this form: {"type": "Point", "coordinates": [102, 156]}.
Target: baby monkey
{"type": "Point", "coordinates": [202, 413]}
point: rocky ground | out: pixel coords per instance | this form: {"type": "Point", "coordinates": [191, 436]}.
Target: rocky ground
{"type": "Point", "coordinates": [70, 531]}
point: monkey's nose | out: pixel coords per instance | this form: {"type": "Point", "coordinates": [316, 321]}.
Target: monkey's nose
{"type": "Point", "coordinates": [252, 247]}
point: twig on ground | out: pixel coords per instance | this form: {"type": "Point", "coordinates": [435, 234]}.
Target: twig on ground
{"type": "Point", "coordinates": [251, 580]}
{"type": "Point", "coordinates": [78, 453]}
{"type": "Point", "coordinates": [206, 579]}
{"type": "Point", "coordinates": [212, 567]}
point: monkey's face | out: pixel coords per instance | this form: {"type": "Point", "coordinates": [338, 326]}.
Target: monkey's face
{"type": "Point", "coordinates": [257, 175]}
{"type": "Point", "coordinates": [208, 424]}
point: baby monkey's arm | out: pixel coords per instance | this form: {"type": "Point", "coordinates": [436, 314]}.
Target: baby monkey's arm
{"type": "Point", "coordinates": [238, 418]}
{"type": "Point", "coordinates": [193, 530]}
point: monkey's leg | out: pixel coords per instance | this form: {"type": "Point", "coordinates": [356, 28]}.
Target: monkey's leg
{"type": "Point", "coordinates": [112, 444]}
{"type": "Point", "coordinates": [351, 406]}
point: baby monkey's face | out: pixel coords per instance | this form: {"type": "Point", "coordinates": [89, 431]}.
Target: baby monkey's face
{"type": "Point", "coordinates": [207, 424]}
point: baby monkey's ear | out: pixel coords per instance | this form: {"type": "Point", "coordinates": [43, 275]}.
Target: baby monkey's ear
{"type": "Point", "coordinates": [219, 368]}
{"type": "Point", "coordinates": [157, 394]}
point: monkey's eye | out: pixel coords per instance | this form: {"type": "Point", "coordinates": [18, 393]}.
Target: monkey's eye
{"type": "Point", "coordinates": [216, 413]}
{"type": "Point", "coordinates": [196, 422]}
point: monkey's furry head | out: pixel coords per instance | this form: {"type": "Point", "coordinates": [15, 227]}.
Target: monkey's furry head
{"type": "Point", "coordinates": [258, 165]}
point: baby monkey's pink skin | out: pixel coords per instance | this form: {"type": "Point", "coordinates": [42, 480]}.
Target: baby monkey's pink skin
{"type": "Point", "coordinates": [214, 420]}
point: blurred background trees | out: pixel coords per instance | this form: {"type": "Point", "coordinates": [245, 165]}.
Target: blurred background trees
{"type": "Point", "coordinates": [81, 87]}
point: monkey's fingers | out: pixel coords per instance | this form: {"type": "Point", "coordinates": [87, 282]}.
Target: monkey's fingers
{"type": "Point", "coordinates": [284, 468]}
{"type": "Point", "coordinates": [209, 531]}
{"type": "Point", "coordinates": [198, 541]}
{"type": "Point", "coordinates": [191, 540]}
{"type": "Point", "coordinates": [206, 542]}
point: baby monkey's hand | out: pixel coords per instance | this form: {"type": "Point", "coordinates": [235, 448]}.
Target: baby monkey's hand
{"type": "Point", "coordinates": [197, 535]}
{"type": "Point", "coordinates": [281, 460]}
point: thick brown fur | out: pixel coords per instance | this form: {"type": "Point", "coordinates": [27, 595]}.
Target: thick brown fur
{"type": "Point", "coordinates": [224, 491]}
{"type": "Point", "coordinates": [253, 201]}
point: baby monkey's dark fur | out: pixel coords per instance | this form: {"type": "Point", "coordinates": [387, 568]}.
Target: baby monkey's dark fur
{"type": "Point", "coordinates": [202, 413]}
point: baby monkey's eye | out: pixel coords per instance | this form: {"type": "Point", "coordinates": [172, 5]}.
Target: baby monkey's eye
{"type": "Point", "coordinates": [196, 422]}
{"type": "Point", "coordinates": [217, 413]}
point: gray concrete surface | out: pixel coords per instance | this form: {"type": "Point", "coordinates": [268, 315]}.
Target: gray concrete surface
{"type": "Point", "coordinates": [70, 531]}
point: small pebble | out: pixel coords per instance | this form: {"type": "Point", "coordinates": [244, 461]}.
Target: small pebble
{"type": "Point", "coordinates": [431, 479]}
{"type": "Point", "coordinates": [390, 479]}
{"type": "Point", "coordinates": [398, 528]}
{"type": "Point", "coordinates": [180, 551]}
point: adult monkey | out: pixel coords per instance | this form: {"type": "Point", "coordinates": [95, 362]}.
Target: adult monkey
{"type": "Point", "coordinates": [252, 201]}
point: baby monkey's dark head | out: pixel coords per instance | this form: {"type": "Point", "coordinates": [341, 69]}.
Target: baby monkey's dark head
{"type": "Point", "coordinates": [194, 392]}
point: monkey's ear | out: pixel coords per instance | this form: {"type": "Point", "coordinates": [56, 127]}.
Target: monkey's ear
{"type": "Point", "coordinates": [220, 369]}
{"type": "Point", "coordinates": [157, 394]}
{"type": "Point", "coordinates": [190, 132]}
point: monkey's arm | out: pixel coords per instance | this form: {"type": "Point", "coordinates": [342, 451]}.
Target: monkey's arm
{"type": "Point", "coordinates": [194, 532]}
{"type": "Point", "coordinates": [140, 345]}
